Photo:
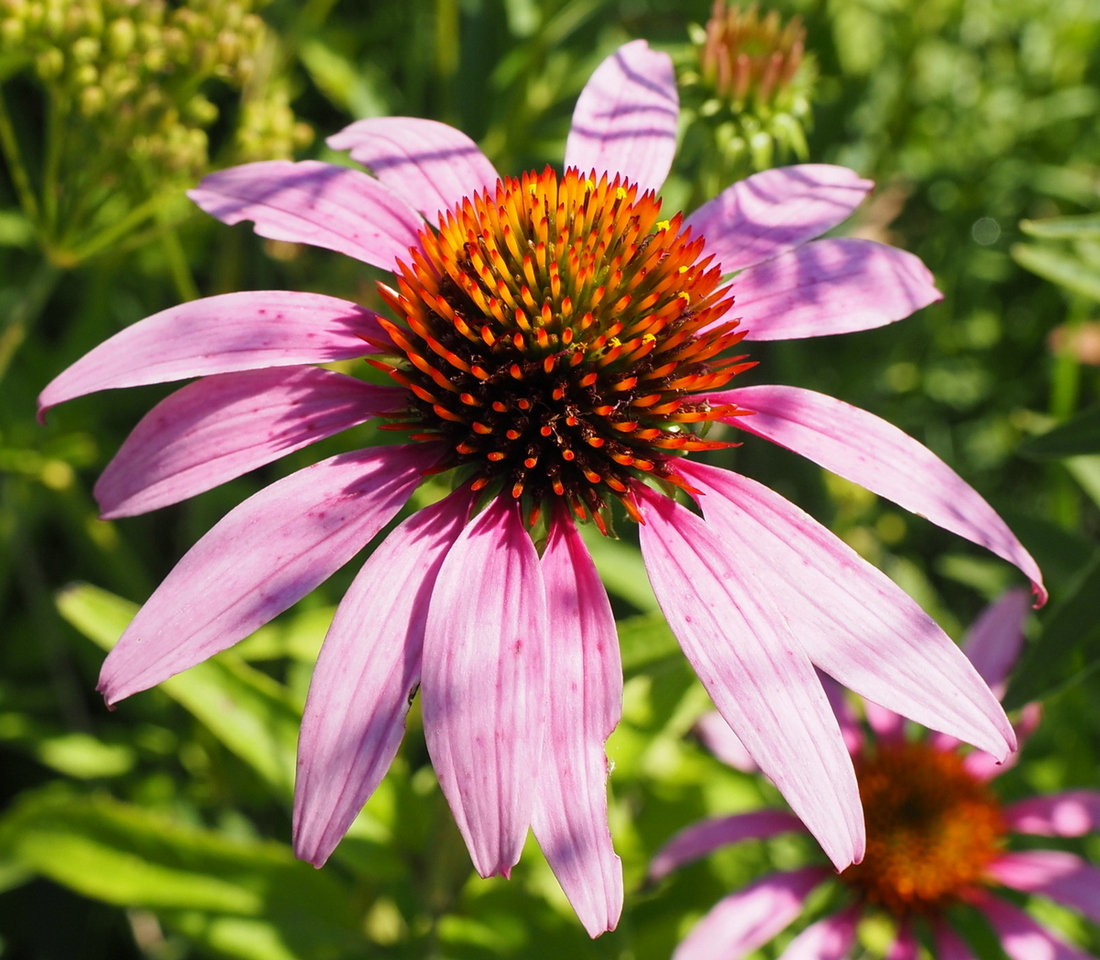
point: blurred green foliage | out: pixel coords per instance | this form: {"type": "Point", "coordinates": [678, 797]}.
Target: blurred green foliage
{"type": "Point", "coordinates": [161, 830]}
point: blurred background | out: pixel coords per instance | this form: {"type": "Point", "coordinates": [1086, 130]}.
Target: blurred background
{"type": "Point", "coordinates": [161, 830]}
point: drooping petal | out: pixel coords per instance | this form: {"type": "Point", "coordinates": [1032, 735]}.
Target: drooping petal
{"type": "Point", "coordinates": [1063, 877]}
{"type": "Point", "coordinates": [484, 683]}
{"type": "Point", "coordinates": [831, 286]}
{"type": "Point", "coordinates": [365, 676]}
{"type": "Point", "coordinates": [828, 939]}
{"type": "Point", "coordinates": [235, 331]}
{"type": "Point", "coordinates": [706, 836]}
{"type": "Point", "coordinates": [748, 919]}
{"type": "Point", "coordinates": [625, 118]}
{"type": "Point", "coordinates": [776, 210]}
{"type": "Point", "coordinates": [949, 945]}
{"type": "Point", "coordinates": [741, 647]}
{"type": "Point", "coordinates": [867, 450]}
{"type": "Point", "coordinates": [717, 736]}
{"type": "Point", "coordinates": [852, 620]}
{"type": "Point", "coordinates": [1070, 814]}
{"type": "Point", "coordinates": [995, 639]}
{"type": "Point", "coordinates": [586, 693]}
{"type": "Point", "coordinates": [260, 558]}
{"type": "Point", "coordinates": [1021, 937]}
{"type": "Point", "coordinates": [428, 164]}
{"type": "Point", "coordinates": [227, 424]}
{"type": "Point", "coordinates": [316, 203]}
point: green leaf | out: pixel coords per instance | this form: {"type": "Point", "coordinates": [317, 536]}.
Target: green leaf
{"type": "Point", "coordinates": [345, 85]}
{"type": "Point", "coordinates": [199, 880]}
{"type": "Point", "coordinates": [645, 640]}
{"type": "Point", "coordinates": [1078, 435]}
{"type": "Point", "coordinates": [1058, 267]}
{"type": "Point", "coordinates": [1086, 227]}
{"type": "Point", "coordinates": [251, 714]}
{"type": "Point", "coordinates": [1067, 649]}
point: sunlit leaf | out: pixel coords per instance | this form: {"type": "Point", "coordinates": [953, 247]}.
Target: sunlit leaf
{"type": "Point", "coordinates": [1058, 267]}
{"type": "Point", "coordinates": [1064, 228]}
{"type": "Point", "coordinates": [1078, 435]}
{"type": "Point", "coordinates": [245, 709]}
{"type": "Point", "coordinates": [202, 881]}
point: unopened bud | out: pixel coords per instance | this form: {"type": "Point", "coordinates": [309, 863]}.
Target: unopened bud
{"type": "Point", "coordinates": [121, 36]}
{"type": "Point", "coordinates": [92, 101]}
{"type": "Point", "coordinates": [12, 32]}
{"type": "Point", "coordinates": [50, 63]}
{"type": "Point", "coordinates": [85, 50]}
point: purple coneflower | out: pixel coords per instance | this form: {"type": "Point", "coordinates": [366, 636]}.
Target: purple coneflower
{"type": "Point", "coordinates": [555, 345]}
{"type": "Point", "coordinates": [935, 838]}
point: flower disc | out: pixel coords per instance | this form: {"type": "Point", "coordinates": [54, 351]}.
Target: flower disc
{"type": "Point", "coordinates": [551, 332]}
{"type": "Point", "coordinates": [932, 828]}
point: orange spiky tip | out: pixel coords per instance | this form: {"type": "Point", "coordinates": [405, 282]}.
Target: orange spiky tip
{"type": "Point", "coordinates": [932, 828]}
{"type": "Point", "coordinates": [553, 331]}
{"type": "Point", "coordinates": [748, 54]}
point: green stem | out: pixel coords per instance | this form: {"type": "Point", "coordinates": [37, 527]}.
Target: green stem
{"type": "Point", "coordinates": [177, 261]}
{"type": "Point", "coordinates": [1066, 382]}
{"type": "Point", "coordinates": [55, 133]}
{"type": "Point", "coordinates": [19, 175]}
{"type": "Point", "coordinates": [26, 311]}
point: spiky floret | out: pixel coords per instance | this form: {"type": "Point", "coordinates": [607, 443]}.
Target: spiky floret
{"type": "Point", "coordinates": [932, 828]}
{"type": "Point", "coordinates": [552, 331]}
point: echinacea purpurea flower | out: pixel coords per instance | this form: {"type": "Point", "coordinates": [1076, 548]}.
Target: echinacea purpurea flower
{"type": "Point", "coordinates": [554, 343]}
{"type": "Point", "coordinates": [937, 837]}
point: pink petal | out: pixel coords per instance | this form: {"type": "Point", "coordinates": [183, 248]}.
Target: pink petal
{"type": "Point", "coordinates": [1061, 876]}
{"type": "Point", "coordinates": [429, 165]}
{"type": "Point", "coordinates": [720, 740]}
{"type": "Point", "coordinates": [236, 331]}
{"type": "Point", "coordinates": [706, 836]}
{"type": "Point", "coordinates": [625, 119]}
{"type": "Point", "coordinates": [828, 939]}
{"type": "Point", "coordinates": [774, 211]}
{"type": "Point", "coordinates": [831, 286]}
{"type": "Point", "coordinates": [754, 670]}
{"type": "Point", "coordinates": [980, 764]}
{"type": "Point", "coordinates": [995, 639]}
{"type": "Point", "coordinates": [845, 715]}
{"type": "Point", "coordinates": [875, 454]}
{"type": "Point", "coordinates": [749, 918]}
{"type": "Point", "coordinates": [887, 724]}
{"type": "Point", "coordinates": [365, 677]}
{"type": "Point", "coordinates": [949, 946]}
{"type": "Point", "coordinates": [905, 945]}
{"type": "Point", "coordinates": [1070, 814]}
{"type": "Point", "coordinates": [227, 424]}
{"type": "Point", "coordinates": [484, 684]}
{"type": "Point", "coordinates": [1021, 937]}
{"type": "Point", "coordinates": [316, 203]}
{"type": "Point", "coordinates": [852, 621]}
{"type": "Point", "coordinates": [570, 820]}
{"type": "Point", "coordinates": [260, 558]}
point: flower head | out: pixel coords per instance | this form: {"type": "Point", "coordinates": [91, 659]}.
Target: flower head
{"type": "Point", "coordinates": [552, 343]}
{"type": "Point", "coordinates": [937, 836]}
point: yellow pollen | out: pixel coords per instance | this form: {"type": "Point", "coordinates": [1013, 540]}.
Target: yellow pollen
{"type": "Point", "coordinates": [620, 193]}
{"type": "Point", "coordinates": [685, 296]}
{"type": "Point", "coordinates": [664, 225]}
{"type": "Point", "coordinates": [932, 828]}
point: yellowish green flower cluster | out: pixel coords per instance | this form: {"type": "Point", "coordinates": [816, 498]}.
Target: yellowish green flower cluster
{"type": "Point", "coordinates": [128, 88]}
{"type": "Point", "coordinates": [746, 90]}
